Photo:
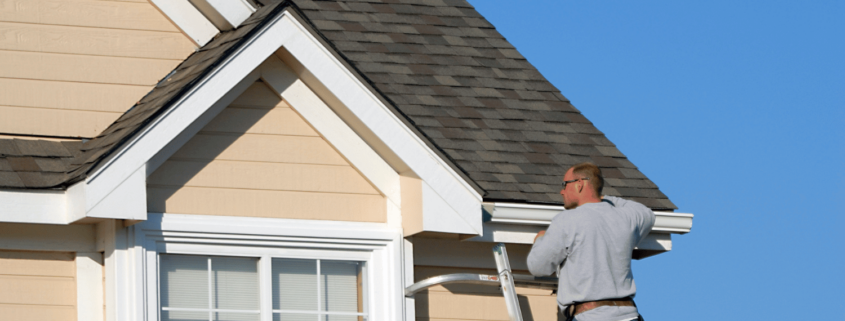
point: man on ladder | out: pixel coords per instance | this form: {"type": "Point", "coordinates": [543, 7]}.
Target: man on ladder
{"type": "Point", "coordinates": [589, 246]}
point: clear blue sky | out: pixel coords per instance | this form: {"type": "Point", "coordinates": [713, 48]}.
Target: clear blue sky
{"type": "Point", "coordinates": [736, 111]}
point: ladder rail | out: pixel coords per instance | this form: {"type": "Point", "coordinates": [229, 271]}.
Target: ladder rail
{"type": "Point", "coordinates": [506, 278]}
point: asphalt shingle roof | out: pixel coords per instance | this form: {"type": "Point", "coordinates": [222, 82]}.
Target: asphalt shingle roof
{"type": "Point", "coordinates": [449, 74]}
{"type": "Point", "coordinates": [35, 164]}
{"type": "Point", "coordinates": [474, 97]}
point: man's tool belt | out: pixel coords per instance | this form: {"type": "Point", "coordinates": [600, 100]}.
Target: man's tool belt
{"type": "Point", "coordinates": [578, 308]}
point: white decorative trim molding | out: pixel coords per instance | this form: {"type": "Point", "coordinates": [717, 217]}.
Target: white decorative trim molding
{"type": "Point", "coordinates": [380, 246]}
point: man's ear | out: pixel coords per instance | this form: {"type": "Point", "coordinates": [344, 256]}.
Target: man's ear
{"type": "Point", "coordinates": [579, 186]}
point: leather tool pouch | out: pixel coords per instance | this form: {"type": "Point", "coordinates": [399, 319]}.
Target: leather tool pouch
{"type": "Point", "coordinates": [566, 315]}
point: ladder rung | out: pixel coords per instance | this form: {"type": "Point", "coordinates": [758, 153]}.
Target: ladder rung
{"type": "Point", "coordinates": [469, 278]}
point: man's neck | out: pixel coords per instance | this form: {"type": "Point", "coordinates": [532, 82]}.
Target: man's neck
{"type": "Point", "coordinates": [589, 201]}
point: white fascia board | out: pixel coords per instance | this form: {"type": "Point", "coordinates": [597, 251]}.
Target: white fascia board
{"type": "Point", "coordinates": [188, 19]}
{"type": "Point", "coordinates": [528, 214]}
{"type": "Point", "coordinates": [32, 206]}
{"type": "Point", "coordinates": [192, 106]}
{"type": "Point", "coordinates": [387, 127]}
{"type": "Point", "coordinates": [225, 14]}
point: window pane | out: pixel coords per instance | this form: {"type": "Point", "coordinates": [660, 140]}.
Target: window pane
{"type": "Point", "coordinates": [340, 286]}
{"type": "Point", "coordinates": [232, 316]}
{"type": "Point", "coordinates": [234, 281]}
{"type": "Point", "coordinates": [294, 317]}
{"type": "Point", "coordinates": [184, 281]}
{"type": "Point", "coordinates": [184, 316]}
{"type": "Point", "coordinates": [295, 285]}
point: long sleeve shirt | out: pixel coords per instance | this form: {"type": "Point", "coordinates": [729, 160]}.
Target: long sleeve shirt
{"type": "Point", "coordinates": [590, 248]}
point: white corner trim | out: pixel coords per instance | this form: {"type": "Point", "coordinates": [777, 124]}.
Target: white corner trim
{"type": "Point", "coordinates": [89, 286]}
{"type": "Point", "coordinates": [389, 129]}
{"type": "Point", "coordinates": [528, 214]}
{"type": "Point", "coordinates": [188, 19]}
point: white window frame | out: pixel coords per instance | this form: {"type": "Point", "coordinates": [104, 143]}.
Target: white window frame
{"type": "Point", "coordinates": [373, 243]}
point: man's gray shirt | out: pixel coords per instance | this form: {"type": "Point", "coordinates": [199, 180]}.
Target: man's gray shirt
{"type": "Point", "coordinates": [590, 249]}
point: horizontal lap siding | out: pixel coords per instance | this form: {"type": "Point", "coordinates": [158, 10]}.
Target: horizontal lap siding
{"type": "Point", "coordinates": [72, 67]}
{"type": "Point", "coordinates": [259, 158]}
{"type": "Point", "coordinates": [37, 286]}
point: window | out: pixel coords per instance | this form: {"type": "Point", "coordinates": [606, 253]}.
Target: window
{"type": "Point", "coordinates": [209, 288]}
{"type": "Point", "coordinates": [196, 267]}
{"type": "Point", "coordinates": [227, 288]}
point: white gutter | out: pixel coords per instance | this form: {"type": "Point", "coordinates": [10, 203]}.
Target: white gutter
{"type": "Point", "coordinates": [528, 214]}
{"type": "Point", "coordinates": [519, 223]}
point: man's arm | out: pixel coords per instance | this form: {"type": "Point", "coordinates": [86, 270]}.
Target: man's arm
{"type": "Point", "coordinates": [643, 216]}
{"type": "Point", "coordinates": [549, 250]}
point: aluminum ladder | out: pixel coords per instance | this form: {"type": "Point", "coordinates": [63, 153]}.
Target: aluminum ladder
{"type": "Point", "coordinates": [505, 279]}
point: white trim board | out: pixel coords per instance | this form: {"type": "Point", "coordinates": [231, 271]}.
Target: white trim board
{"type": "Point", "coordinates": [89, 286]}
{"type": "Point", "coordinates": [225, 14]}
{"type": "Point", "coordinates": [382, 247]}
{"type": "Point", "coordinates": [189, 19]}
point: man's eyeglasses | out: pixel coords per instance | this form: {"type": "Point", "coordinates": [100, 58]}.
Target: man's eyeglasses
{"type": "Point", "coordinates": [573, 181]}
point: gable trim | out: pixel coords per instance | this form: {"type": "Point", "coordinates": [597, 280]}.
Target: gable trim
{"type": "Point", "coordinates": [452, 196]}
{"type": "Point", "coordinates": [451, 205]}
{"type": "Point", "coordinates": [189, 19]}
{"type": "Point", "coordinates": [181, 114]}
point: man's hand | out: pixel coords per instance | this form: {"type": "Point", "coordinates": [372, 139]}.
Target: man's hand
{"type": "Point", "coordinates": [539, 234]}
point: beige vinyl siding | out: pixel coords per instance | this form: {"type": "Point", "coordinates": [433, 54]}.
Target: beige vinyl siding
{"type": "Point", "coordinates": [461, 302]}
{"type": "Point", "coordinates": [37, 286]}
{"type": "Point", "coordinates": [71, 67]}
{"type": "Point", "coordinates": [259, 158]}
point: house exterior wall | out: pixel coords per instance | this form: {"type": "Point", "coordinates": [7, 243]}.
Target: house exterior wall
{"type": "Point", "coordinates": [433, 257]}
{"type": "Point", "coordinates": [259, 158]}
{"type": "Point", "coordinates": [71, 67]}
{"type": "Point", "coordinates": [37, 286]}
